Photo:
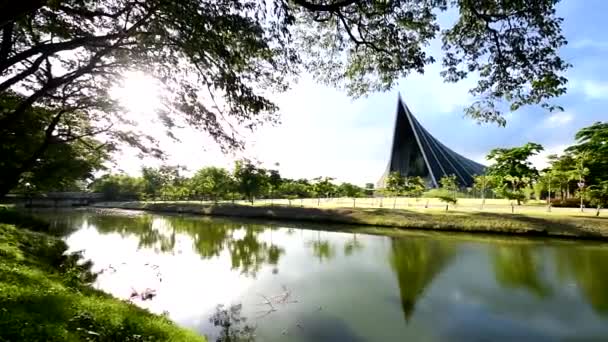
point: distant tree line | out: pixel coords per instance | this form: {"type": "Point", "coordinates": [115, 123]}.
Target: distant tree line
{"type": "Point", "coordinates": [579, 176]}
{"type": "Point", "coordinates": [247, 181]}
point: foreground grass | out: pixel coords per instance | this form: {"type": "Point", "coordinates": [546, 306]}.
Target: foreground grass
{"type": "Point", "coordinates": [557, 225]}
{"type": "Point", "coordinates": [44, 296]}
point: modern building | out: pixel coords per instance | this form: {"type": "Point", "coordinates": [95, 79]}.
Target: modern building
{"type": "Point", "coordinates": [415, 152]}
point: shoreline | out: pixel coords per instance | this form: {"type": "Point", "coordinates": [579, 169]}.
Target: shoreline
{"type": "Point", "coordinates": [476, 222]}
{"type": "Point", "coordinates": [47, 293]}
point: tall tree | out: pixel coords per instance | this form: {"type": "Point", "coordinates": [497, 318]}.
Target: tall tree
{"type": "Point", "coordinates": [323, 187]}
{"type": "Point", "coordinates": [212, 182]}
{"type": "Point", "coordinates": [592, 145]}
{"type": "Point", "coordinates": [215, 60]}
{"type": "Point", "coordinates": [155, 179]}
{"type": "Point", "coordinates": [250, 179]}
{"type": "Point", "coordinates": [514, 169]}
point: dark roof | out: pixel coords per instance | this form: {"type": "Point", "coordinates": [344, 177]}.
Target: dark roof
{"type": "Point", "coordinates": [415, 152]}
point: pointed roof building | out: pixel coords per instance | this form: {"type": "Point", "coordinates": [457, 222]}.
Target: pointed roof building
{"type": "Point", "coordinates": [415, 152]}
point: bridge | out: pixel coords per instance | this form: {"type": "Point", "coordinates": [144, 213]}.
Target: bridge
{"type": "Point", "coordinates": [54, 199]}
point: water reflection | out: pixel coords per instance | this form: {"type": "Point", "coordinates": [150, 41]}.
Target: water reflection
{"type": "Point", "coordinates": [519, 266]}
{"type": "Point", "coordinates": [588, 268]}
{"type": "Point", "coordinates": [446, 287]}
{"type": "Point", "coordinates": [322, 249]}
{"type": "Point", "coordinates": [416, 262]}
{"type": "Point", "coordinates": [353, 245]}
{"type": "Point", "coordinates": [248, 252]}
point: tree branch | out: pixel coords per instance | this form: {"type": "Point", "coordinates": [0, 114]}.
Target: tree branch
{"type": "Point", "coordinates": [324, 8]}
{"type": "Point", "coordinates": [7, 41]}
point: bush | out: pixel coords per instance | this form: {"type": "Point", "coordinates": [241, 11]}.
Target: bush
{"type": "Point", "coordinates": [568, 202]}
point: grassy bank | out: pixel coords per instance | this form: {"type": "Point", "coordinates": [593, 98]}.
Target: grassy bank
{"type": "Point", "coordinates": [557, 225]}
{"type": "Point", "coordinates": [45, 296]}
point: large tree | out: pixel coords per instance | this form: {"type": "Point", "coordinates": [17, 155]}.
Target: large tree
{"type": "Point", "coordinates": [591, 149]}
{"type": "Point", "coordinates": [513, 168]}
{"type": "Point", "coordinates": [48, 155]}
{"type": "Point", "coordinates": [218, 60]}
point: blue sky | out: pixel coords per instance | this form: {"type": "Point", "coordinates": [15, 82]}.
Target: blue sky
{"type": "Point", "coordinates": [326, 133]}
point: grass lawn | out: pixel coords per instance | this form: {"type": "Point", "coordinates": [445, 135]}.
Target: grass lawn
{"type": "Point", "coordinates": [45, 296]}
{"type": "Point", "coordinates": [563, 224]}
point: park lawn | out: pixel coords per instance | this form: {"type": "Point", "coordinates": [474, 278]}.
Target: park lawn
{"type": "Point", "coordinates": [45, 296]}
{"type": "Point", "coordinates": [566, 224]}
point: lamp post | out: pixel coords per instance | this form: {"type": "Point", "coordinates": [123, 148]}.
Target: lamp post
{"type": "Point", "coordinates": [581, 185]}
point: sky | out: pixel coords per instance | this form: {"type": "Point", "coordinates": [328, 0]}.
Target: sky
{"type": "Point", "coordinates": [323, 132]}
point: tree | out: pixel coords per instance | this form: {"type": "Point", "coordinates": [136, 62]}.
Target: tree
{"type": "Point", "coordinates": [350, 190]}
{"type": "Point", "coordinates": [211, 182]}
{"type": "Point", "coordinates": [414, 187]}
{"type": "Point", "coordinates": [395, 184]}
{"type": "Point", "coordinates": [118, 187]}
{"type": "Point", "coordinates": [250, 179]}
{"type": "Point", "coordinates": [369, 189]}
{"type": "Point", "coordinates": [292, 189]}
{"type": "Point", "coordinates": [592, 146]}
{"type": "Point", "coordinates": [482, 183]}
{"type": "Point", "coordinates": [598, 196]}
{"type": "Point", "coordinates": [274, 181]}
{"type": "Point", "coordinates": [512, 167]}
{"type": "Point", "coordinates": [47, 159]}
{"type": "Point", "coordinates": [216, 60]}
{"type": "Point", "coordinates": [323, 187]}
{"type": "Point", "coordinates": [448, 189]}
{"type": "Point", "coordinates": [561, 172]}
{"type": "Point", "coordinates": [155, 179]}
{"type": "Point", "coordinates": [579, 174]}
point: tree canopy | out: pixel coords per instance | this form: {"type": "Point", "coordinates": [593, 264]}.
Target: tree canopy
{"type": "Point", "coordinates": [218, 61]}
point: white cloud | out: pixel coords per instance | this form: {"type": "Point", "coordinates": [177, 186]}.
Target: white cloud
{"type": "Point", "coordinates": [540, 160]}
{"type": "Point", "coordinates": [593, 89]}
{"type": "Point", "coordinates": [589, 43]}
{"type": "Point", "coordinates": [559, 119]}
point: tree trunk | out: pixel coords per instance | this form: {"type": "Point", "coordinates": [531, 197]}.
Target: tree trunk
{"type": "Point", "coordinates": [394, 202]}
{"type": "Point", "coordinates": [597, 212]}
{"type": "Point", "coordinates": [512, 208]}
{"type": "Point", "coordinates": [354, 202]}
{"type": "Point", "coordinates": [446, 207]}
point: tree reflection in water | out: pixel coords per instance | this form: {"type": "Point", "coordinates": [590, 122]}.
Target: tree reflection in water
{"type": "Point", "coordinates": [248, 252]}
{"type": "Point", "coordinates": [588, 268]}
{"type": "Point", "coordinates": [519, 266]}
{"type": "Point", "coordinates": [416, 262]}
{"type": "Point", "coordinates": [352, 245]}
{"type": "Point", "coordinates": [322, 249]}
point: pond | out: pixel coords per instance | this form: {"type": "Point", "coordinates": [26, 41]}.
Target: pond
{"type": "Point", "coordinates": [299, 282]}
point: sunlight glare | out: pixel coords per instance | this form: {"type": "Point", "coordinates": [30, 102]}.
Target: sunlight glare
{"type": "Point", "coordinates": [138, 93]}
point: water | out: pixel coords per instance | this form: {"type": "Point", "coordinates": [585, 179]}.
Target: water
{"type": "Point", "coordinates": [338, 286]}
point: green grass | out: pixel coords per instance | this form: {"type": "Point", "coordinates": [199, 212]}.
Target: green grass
{"type": "Point", "coordinates": [45, 296]}
{"type": "Point", "coordinates": [565, 224]}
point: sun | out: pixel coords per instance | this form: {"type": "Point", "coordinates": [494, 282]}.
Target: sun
{"type": "Point", "coordinates": [138, 93]}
